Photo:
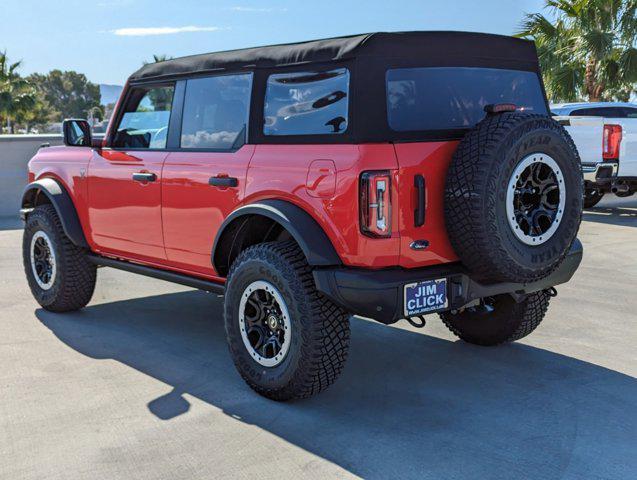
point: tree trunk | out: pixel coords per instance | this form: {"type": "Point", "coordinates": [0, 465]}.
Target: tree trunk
{"type": "Point", "coordinates": [594, 89]}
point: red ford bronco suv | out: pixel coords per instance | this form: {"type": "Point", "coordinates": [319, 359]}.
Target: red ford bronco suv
{"type": "Point", "coordinates": [387, 175]}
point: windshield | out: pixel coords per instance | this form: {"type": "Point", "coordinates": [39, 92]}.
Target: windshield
{"type": "Point", "coordinates": [443, 98]}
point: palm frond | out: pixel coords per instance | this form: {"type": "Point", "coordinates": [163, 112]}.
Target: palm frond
{"type": "Point", "coordinates": [599, 43]}
{"type": "Point", "coordinates": [563, 83]}
{"type": "Point", "coordinates": [535, 25]}
{"type": "Point", "coordinates": [628, 65]}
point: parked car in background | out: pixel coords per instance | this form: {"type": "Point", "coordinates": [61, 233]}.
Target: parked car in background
{"type": "Point", "coordinates": [605, 134]}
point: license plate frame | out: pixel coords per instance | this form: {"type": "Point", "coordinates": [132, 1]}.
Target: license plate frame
{"type": "Point", "coordinates": [425, 296]}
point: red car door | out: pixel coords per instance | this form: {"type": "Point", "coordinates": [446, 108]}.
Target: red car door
{"type": "Point", "coordinates": [124, 188]}
{"type": "Point", "coordinates": [204, 179]}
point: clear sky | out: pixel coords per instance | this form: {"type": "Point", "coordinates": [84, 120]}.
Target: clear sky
{"type": "Point", "coordinates": [108, 39]}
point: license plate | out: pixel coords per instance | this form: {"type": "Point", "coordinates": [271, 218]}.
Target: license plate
{"type": "Point", "coordinates": [426, 297]}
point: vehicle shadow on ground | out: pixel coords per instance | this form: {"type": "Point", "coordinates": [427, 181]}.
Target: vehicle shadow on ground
{"type": "Point", "coordinates": [626, 217]}
{"type": "Point", "coordinates": [407, 405]}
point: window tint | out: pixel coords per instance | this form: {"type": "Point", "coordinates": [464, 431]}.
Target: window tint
{"type": "Point", "coordinates": [630, 112]}
{"type": "Point", "coordinates": [454, 97]}
{"type": "Point", "coordinates": [609, 112]}
{"type": "Point", "coordinates": [216, 112]}
{"type": "Point", "coordinates": [307, 103]}
{"type": "Point", "coordinates": [145, 120]}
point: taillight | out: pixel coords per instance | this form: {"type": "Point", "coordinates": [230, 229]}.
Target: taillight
{"type": "Point", "coordinates": [375, 204]}
{"type": "Point", "coordinates": [611, 140]}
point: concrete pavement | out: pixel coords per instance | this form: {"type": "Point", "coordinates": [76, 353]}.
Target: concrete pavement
{"type": "Point", "coordinates": [140, 385]}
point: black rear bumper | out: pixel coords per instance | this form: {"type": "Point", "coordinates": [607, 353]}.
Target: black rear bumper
{"type": "Point", "coordinates": [378, 294]}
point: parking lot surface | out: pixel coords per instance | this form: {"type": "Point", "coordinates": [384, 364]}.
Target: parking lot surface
{"type": "Point", "coordinates": [140, 385]}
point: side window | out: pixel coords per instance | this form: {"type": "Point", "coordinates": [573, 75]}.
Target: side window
{"type": "Point", "coordinates": [439, 98]}
{"type": "Point", "coordinates": [587, 112]}
{"type": "Point", "coordinates": [216, 112]}
{"type": "Point", "coordinates": [307, 103]}
{"type": "Point", "coordinates": [608, 112]}
{"type": "Point", "coordinates": [145, 120]}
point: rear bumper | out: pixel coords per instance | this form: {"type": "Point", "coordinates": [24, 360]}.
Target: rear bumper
{"type": "Point", "coordinates": [594, 172]}
{"type": "Point", "coordinates": [378, 294]}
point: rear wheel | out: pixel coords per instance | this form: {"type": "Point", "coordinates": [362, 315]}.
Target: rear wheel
{"type": "Point", "coordinates": [286, 339]}
{"type": "Point", "coordinates": [498, 319]}
{"type": "Point", "coordinates": [60, 276]}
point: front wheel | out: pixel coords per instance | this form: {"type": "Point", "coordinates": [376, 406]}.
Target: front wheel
{"type": "Point", "coordinates": [59, 273]}
{"type": "Point", "coordinates": [286, 339]}
{"type": "Point", "coordinates": [498, 319]}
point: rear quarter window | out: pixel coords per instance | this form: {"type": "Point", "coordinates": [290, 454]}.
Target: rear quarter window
{"type": "Point", "coordinates": [307, 103]}
{"type": "Point", "coordinates": [446, 98]}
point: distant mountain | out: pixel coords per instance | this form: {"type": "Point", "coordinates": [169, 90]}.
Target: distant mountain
{"type": "Point", "coordinates": [110, 93]}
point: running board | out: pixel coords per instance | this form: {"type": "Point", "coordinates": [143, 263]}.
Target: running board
{"type": "Point", "coordinates": [166, 275]}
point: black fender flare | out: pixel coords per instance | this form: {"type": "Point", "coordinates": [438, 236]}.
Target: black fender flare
{"type": "Point", "coordinates": [61, 201]}
{"type": "Point", "coordinates": [314, 242]}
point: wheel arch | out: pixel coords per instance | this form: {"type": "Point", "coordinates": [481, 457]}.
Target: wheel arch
{"type": "Point", "coordinates": [270, 220]}
{"type": "Point", "coordinates": [49, 190]}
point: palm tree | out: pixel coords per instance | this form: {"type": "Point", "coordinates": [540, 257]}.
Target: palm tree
{"type": "Point", "coordinates": [16, 94]}
{"type": "Point", "coordinates": [589, 50]}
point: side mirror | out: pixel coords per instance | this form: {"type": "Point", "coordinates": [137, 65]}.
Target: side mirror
{"type": "Point", "coordinates": [77, 133]}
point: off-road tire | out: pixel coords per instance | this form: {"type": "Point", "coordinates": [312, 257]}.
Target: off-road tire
{"type": "Point", "coordinates": [320, 329]}
{"type": "Point", "coordinates": [508, 322]}
{"type": "Point", "coordinates": [592, 197]}
{"type": "Point", "coordinates": [75, 277]}
{"type": "Point", "coordinates": [475, 197]}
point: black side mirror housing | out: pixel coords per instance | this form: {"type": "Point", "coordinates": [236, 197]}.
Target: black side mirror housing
{"type": "Point", "coordinates": [77, 133]}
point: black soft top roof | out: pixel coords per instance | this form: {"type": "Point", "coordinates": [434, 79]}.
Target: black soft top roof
{"type": "Point", "coordinates": [429, 46]}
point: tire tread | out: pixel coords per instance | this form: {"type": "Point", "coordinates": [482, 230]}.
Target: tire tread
{"type": "Point", "coordinates": [79, 275]}
{"type": "Point", "coordinates": [327, 337]}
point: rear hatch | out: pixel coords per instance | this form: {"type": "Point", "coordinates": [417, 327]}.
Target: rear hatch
{"type": "Point", "coordinates": [442, 104]}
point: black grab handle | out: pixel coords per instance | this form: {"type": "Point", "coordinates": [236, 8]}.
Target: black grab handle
{"type": "Point", "coordinates": [223, 181]}
{"type": "Point", "coordinates": [419, 212]}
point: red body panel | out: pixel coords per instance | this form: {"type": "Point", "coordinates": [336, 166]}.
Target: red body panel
{"type": "Point", "coordinates": [125, 215]}
{"type": "Point", "coordinates": [281, 171]}
{"type": "Point", "coordinates": [192, 210]}
{"type": "Point", "coordinates": [431, 160]}
{"type": "Point", "coordinates": [69, 166]}
{"type": "Point", "coordinates": [172, 223]}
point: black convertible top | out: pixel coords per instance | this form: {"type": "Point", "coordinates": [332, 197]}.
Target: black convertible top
{"type": "Point", "coordinates": [439, 47]}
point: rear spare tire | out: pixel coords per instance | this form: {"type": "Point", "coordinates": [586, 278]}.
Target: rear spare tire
{"type": "Point", "coordinates": [513, 197]}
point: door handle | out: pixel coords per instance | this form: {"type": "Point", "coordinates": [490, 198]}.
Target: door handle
{"type": "Point", "coordinates": [419, 212]}
{"type": "Point", "coordinates": [144, 177]}
{"type": "Point", "coordinates": [223, 181]}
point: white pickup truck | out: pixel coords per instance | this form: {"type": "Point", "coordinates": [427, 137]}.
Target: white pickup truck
{"type": "Point", "coordinates": [606, 138]}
